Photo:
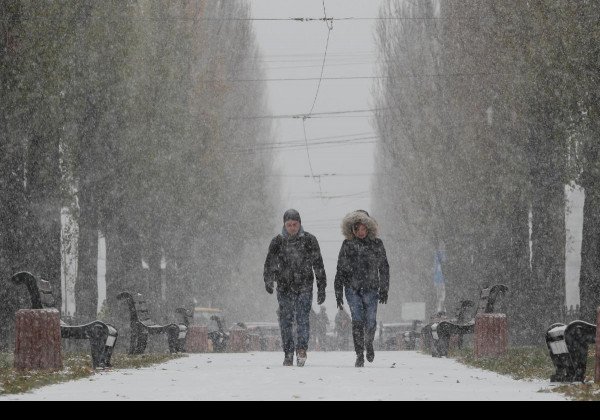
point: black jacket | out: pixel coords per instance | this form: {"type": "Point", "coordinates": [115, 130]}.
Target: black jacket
{"type": "Point", "coordinates": [293, 263]}
{"type": "Point", "coordinates": [362, 264]}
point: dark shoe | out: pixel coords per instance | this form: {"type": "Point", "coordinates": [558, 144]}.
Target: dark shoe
{"type": "Point", "coordinates": [289, 359]}
{"type": "Point", "coordinates": [301, 358]}
{"type": "Point", "coordinates": [360, 361]}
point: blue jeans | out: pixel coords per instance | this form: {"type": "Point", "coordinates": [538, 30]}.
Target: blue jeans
{"type": "Point", "coordinates": [294, 307]}
{"type": "Point", "coordinates": [363, 306]}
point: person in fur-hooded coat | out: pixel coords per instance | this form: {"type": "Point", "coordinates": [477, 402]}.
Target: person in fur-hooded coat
{"type": "Point", "coordinates": [363, 273]}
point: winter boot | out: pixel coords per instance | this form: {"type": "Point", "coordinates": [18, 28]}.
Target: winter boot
{"type": "Point", "coordinates": [369, 337]}
{"type": "Point", "coordinates": [358, 335]}
{"type": "Point", "coordinates": [360, 361]}
{"type": "Point", "coordinates": [301, 357]}
{"type": "Point", "coordinates": [288, 359]}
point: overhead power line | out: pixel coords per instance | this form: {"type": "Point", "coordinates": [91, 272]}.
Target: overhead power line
{"type": "Point", "coordinates": [329, 175]}
{"type": "Point", "coordinates": [308, 153]}
{"type": "Point", "coordinates": [294, 146]}
{"type": "Point", "coordinates": [300, 79]}
{"type": "Point", "coordinates": [330, 197]}
{"type": "Point", "coordinates": [312, 79]}
{"type": "Point", "coordinates": [329, 25]}
{"type": "Point", "coordinates": [314, 115]}
{"type": "Point", "coordinates": [315, 65]}
{"type": "Point", "coordinates": [329, 29]}
{"type": "Point", "coordinates": [368, 134]}
{"type": "Point", "coordinates": [328, 141]}
{"type": "Point", "coordinates": [308, 19]}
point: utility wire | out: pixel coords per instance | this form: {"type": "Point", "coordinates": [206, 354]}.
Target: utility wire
{"type": "Point", "coordinates": [329, 29]}
{"type": "Point", "coordinates": [314, 115]}
{"type": "Point", "coordinates": [328, 141]}
{"type": "Point", "coordinates": [314, 142]}
{"type": "Point", "coordinates": [344, 145]}
{"type": "Point", "coordinates": [329, 175]}
{"type": "Point", "coordinates": [345, 136]}
{"type": "Point", "coordinates": [315, 65]}
{"type": "Point", "coordinates": [308, 154]}
{"type": "Point", "coordinates": [311, 79]}
{"type": "Point", "coordinates": [299, 79]}
{"type": "Point", "coordinates": [312, 108]}
{"type": "Point", "coordinates": [330, 197]}
{"type": "Point", "coordinates": [328, 20]}
{"type": "Point", "coordinates": [333, 143]}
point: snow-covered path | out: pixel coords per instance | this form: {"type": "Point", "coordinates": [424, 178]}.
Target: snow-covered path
{"type": "Point", "coordinates": [326, 376]}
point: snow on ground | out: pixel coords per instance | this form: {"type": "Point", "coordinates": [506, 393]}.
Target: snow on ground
{"type": "Point", "coordinates": [326, 376]}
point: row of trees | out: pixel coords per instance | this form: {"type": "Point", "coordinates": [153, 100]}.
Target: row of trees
{"type": "Point", "coordinates": [488, 109]}
{"type": "Point", "coordinates": [122, 111]}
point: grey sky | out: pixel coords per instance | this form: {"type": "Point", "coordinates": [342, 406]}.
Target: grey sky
{"type": "Point", "coordinates": [295, 50]}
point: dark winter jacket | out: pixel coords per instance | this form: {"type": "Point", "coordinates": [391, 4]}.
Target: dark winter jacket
{"type": "Point", "coordinates": [294, 262]}
{"type": "Point", "coordinates": [362, 263]}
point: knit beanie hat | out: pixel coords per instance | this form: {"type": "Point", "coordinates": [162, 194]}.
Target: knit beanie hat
{"type": "Point", "coordinates": [292, 215]}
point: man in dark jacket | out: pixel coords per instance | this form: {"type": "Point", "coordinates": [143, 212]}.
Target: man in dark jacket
{"type": "Point", "coordinates": [363, 273]}
{"type": "Point", "coordinates": [293, 262]}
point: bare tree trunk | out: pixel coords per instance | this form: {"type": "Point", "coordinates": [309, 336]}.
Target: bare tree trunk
{"type": "Point", "coordinates": [518, 277]}
{"type": "Point", "coordinates": [86, 287]}
{"type": "Point", "coordinates": [42, 234]}
{"type": "Point", "coordinates": [589, 287]}
{"type": "Point", "coordinates": [589, 282]}
{"type": "Point", "coordinates": [12, 204]}
{"type": "Point", "coordinates": [154, 259]}
{"type": "Point", "coordinates": [547, 292]}
{"type": "Point", "coordinates": [179, 280]}
{"type": "Point", "coordinates": [123, 263]}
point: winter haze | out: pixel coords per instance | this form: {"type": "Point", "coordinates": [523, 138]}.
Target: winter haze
{"type": "Point", "coordinates": [153, 147]}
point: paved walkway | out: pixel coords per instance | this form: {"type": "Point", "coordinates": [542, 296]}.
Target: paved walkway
{"type": "Point", "coordinates": [326, 376]}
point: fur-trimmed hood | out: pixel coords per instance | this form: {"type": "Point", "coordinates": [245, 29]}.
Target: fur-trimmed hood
{"type": "Point", "coordinates": [359, 217]}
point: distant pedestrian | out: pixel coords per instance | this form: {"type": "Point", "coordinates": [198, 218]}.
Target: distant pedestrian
{"type": "Point", "coordinates": [363, 274]}
{"type": "Point", "coordinates": [322, 327]}
{"type": "Point", "coordinates": [343, 329]}
{"type": "Point", "coordinates": [293, 262]}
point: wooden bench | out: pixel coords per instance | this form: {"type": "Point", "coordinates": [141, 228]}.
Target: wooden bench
{"type": "Point", "coordinates": [392, 335]}
{"type": "Point", "coordinates": [568, 347]}
{"type": "Point", "coordinates": [102, 336]}
{"type": "Point", "coordinates": [266, 335]}
{"type": "Point", "coordinates": [142, 326]}
{"type": "Point", "coordinates": [219, 337]}
{"type": "Point", "coordinates": [186, 316]}
{"type": "Point", "coordinates": [443, 330]}
{"type": "Point", "coordinates": [461, 317]}
{"type": "Point", "coordinates": [409, 338]}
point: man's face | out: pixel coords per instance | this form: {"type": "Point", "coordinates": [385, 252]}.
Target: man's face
{"type": "Point", "coordinates": [361, 231]}
{"type": "Point", "coordinates": [292, 227]}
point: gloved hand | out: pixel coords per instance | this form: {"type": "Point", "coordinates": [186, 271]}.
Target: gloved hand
{"type": "Point", "coordinates": [269, 288]}
{"type": "Point", "coordinates": [340, 304]}
{"type": "Point", "coordinates": [321, 297]}
{"type": "Point", "coordinates": [383, 297]}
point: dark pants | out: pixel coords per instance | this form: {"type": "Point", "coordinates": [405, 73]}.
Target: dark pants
{"type": "Point", "coordinates": [363, 308]}
{"type": "Point", "coordinates": [294, 307]}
